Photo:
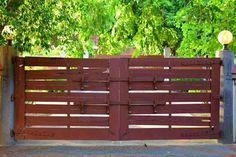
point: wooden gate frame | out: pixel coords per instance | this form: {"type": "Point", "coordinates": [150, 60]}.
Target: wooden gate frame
{"type": "Point", "coordinates": [119, 102]}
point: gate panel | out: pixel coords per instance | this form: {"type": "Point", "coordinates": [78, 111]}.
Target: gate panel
{"type": "Point", "coordinates": [59, 98]}
{"type": "Point", "coordinates": [172, 98]}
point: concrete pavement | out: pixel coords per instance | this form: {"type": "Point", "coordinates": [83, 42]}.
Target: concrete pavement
{"type": "Point", "coordinates": [187, 149]}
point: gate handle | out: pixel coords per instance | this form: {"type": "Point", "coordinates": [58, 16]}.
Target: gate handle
{"type": "Point", "coordinates": [129, 108]}
{"type": "Point", "coordinates": [156, 80]}
{"type": "Point", "coordinates": [81, 82]}
{"type": "Point", "coordinates": [82, 106]}
{"type": "Point", "coordinates": [129, 83]}
{"type": "Point", "coordinates": [155, 106]}
{"type": "Point", "coordinates": [108, 106]}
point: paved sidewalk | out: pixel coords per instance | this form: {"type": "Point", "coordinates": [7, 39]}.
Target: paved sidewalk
{"type": "Point", "coordinates": [200, 150]}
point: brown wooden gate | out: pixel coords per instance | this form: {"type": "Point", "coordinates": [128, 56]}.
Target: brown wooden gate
{"type": "Point", "coordinates": [116, 99]}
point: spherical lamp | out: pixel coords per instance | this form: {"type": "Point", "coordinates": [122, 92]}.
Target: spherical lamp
{"type": "Point", "coordinates": [8, 34]}
{"type": "Point", "coordinates": [225, 38]}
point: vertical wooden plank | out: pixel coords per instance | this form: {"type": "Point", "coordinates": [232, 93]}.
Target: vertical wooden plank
{"type": "Point", "coordinates": [114, 111]}
{"type": "Point", "coordinates": [124, 92]}
{"type": "Point", "coordinates": [118, 118]}
{"type": "Point", "coordinates": [19, 93]}
{"type": "Point", "coordinates": [169, 91]}
{"type": "Point", "coordinates": [215, 97]}
{"type": "Point", "coordinates": [68, 102]}
{"type": "Point", "coordinates": [114, 93]}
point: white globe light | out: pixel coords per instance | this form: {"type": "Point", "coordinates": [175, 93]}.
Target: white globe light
{"type": "Point", "coordinates": [225, 37]}
{"type": "Point", "coordinates": [8, 32]}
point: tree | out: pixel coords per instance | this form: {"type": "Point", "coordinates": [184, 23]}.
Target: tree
{"type": "Point", "coordinates": [146, 25]}
{"type": "Point", "coordinates": [201, 21]}
{"type": "Point", "coordinates": [49, 27]}
{"type": "Point", "coordinates": [46, 25]}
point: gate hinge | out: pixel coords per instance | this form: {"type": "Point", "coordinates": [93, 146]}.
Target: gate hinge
{"type": "Point", "coordinates": [12, 98]}
{"type": "Point", "coordinates": [216, 97]}
{"type": "Point", "coordinates": [13, 60]}
{"type": "Point", "coordinates": [221, 63]}
{"type": "Point", "coordinates": [12, 133]}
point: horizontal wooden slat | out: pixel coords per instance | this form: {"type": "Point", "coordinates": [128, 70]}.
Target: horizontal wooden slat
{"type": "Point", "coordinates": [173, 133]}
{"type": "Point", "coordinates": [166, 97]}
{"type": "Point", "coordinates": [173, 61]}
{"type": "Point", "coordinates": [166, 120]}
{"type": "Point", "coordinates": [64, 74]}
{"type": "Point", "coordinates": [65, 121]}
{"type": "Point", "coordinates": [128, 56]}
{"type": "Point", "coordinates": [164, 109]}
{"type": "Point", "coordinates": [150, 74]}
{"type": "Point", "coordinates": [63, 97]}
{"type": "Point", "coordinates": [62, 134]}
{"type": "Point", "coordinates": [134, 109]}
{"type": "Point", "coordinates": [97, 70]}
{"type": "Point", "coordinates": [104, 134]}
{"type": "Point", "coordinates": [171, 85]}
{"type": "Point", "coordinates": [66, 85]}
{"type": "Point", "coordinates": [66, 109]}
{"type": "Point", "coordinates": [66, 62]}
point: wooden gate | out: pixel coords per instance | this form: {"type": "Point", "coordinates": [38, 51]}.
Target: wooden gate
{"type": "Point", "coordinates": [116, 99]}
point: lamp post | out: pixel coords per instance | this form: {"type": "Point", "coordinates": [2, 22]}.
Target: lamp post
{"type": "Point", "coordinates": [225, 38]}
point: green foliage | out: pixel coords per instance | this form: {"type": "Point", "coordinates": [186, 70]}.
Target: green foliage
{"type": "Point", "coordinates": [143, 25]}
{"type": "Point", "coordinates": [201, 21]}
{"type": "Point", "coordinates": [46, 26]}
{"type": "Point", "coordinates": [49, 27]}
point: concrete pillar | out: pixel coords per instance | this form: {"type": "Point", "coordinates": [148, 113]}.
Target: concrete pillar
{"type": "Point", "coordinates": [167, 52]}
{"type": "Point", "coordinates": [227, 95]}
{"type": "Point", "coordinates": [234, 109]}
{"type": "Point", "coordinates": [7, 89]}
{"type": "Point", "coordinates": [86, 54]}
